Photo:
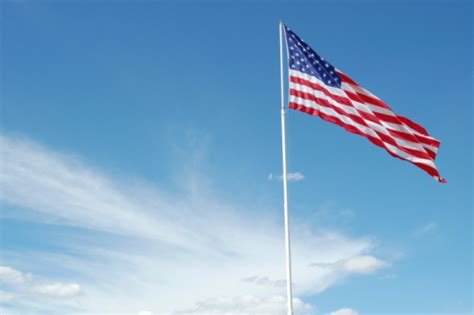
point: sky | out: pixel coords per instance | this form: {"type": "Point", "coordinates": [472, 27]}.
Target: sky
{"type": "Point", "coordinates": [140, 159]}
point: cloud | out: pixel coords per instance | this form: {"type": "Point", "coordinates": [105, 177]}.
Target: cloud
{"type": "Point", "coordinates": [426, 229]}
{"type": "Point", "coordinates": [61, 187]}
{"type": "Point", "coordinates": [25, 283]}
{"type": "Point", "coordinates": [12, 276]}
{"type": "Point", "coordinates": [34, 296]}
{"type": "Point", "coordinates": [364, 264]}
{"type": "Point", "coordinates": [265, 281]}
{"type": "Point", "coordinates": [58, 289]}
{"type": "Point", "coordinates": [293, 177]}
{"type": "Point", "coordinates": [247, 305]}
{"type": "Point", "coordinates": [6, 297]}
{"type": "Point", "coordinates": [344, 311]}
{"type": "Point", "coordinates": [185, 247]}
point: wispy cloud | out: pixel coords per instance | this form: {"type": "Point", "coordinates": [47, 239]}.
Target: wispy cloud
{"type": "Point", "coordinates": [364, 264]}
{"type": "Point", "coordinates": [58, 289]}
{"type": "Point", "coordinates": [292, 177]}
{"type": "Point", "coordinates": [344, 311]}
{"type": "Point", "coordinates": [185, 248]}
{"type": "Point", "coordinates": [5, 297]}
{"type": "Point", "coordinates": [265, 281]}
{"type": "Point", "coordinates": [10, 275]}
{"type": "Point", "coordinates": [426, 229]}
{"type": "Point", "coordinates": [29, 293]}
{"type": "Point", "coordinates": [247, 305]}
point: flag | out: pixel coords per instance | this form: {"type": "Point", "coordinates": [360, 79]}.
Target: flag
{"type": "Point", "coordinates": [318, 88]}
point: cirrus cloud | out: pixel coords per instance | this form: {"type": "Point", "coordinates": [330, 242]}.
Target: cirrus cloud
{"type": "Point", "coordinates": [162, 244]}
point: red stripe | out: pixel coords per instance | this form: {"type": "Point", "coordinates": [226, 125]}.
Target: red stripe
{"type": "Point", "coordinates": [428, 140]}
{"type": "Point", "coordinates": [326, 103]}
{"type": "Point", "coordinates": [345, 78]}
{"type": "Point", "coordinates": [362, 98]}
{"type": "Point", "coordinates": [376, 117]}
{"type": "Point", "coordinates": [360, 120]}
{"type": "Point", "coordinates": [432, 171]}
{"type": "Point", "coordinates": [315, 86]}
{"type": "Point", "coordinates": [413, 125]}
{"type": "Point", "coordinates": [414, 138]}
{"type": "Point", "coordinates": [385, 138]}
{"type": "Point", "coordinates": [378, 102]}
{"type": "Point", "coordinates": [315, 112]}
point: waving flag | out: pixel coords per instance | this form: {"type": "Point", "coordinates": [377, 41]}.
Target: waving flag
{"type": "Point", "coordinates": [318, 88]}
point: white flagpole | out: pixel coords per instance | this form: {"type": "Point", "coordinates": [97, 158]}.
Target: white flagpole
{"type": "Point", "coordinates": [285, 181]}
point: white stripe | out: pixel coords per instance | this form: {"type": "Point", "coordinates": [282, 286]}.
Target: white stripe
{"type": "Point", "coordinates": [340, 92]}
{"type": "Point", "coordinates": [374, 107]}
{"type": "Point", "coordinates": [351, 110]}
{"type": "Point", "coordinates": [313, 79]}
{"type": "Point", "coordinates": [366, 107]}
{"type": "Point", "coordinates": [359, 90]}
{"type": "Point", "coordinates": [319, 94]}
{"type": "Point", "coordinates": [363, 129]}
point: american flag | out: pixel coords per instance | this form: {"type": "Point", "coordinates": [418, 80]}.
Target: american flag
{"type": "Point", "coordinates": [318, 88]}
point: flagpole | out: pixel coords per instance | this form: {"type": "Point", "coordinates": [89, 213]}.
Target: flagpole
{"type": "Point", "coordinates": [285, 181]}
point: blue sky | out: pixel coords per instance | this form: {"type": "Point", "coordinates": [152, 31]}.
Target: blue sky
{"type": "Point", "coordinates": [137, 141]}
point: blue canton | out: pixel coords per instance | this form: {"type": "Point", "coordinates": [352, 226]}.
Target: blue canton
{"type": "Point", "coordinates": [303, 58]}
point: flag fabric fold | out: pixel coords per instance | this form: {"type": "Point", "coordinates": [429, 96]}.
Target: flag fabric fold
{"type": "Point", "coordinates": [317, 88]}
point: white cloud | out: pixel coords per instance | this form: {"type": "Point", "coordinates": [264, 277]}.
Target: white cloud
{"type": "Point", "coordinates": [363, 264]}
{"type": "Point", "coordinates": [181, 247]}
{"type": "Point", "coordinates": [293, 177]}
{"type": "Point", "coordinates": [426, 229]}
{"type": "Point", "coordinates": [5, 296]}
{"type": "Point", "coordinates": [58, 289]}
{"type": "Point", "coordinates": [344, 311]}
{"type": "Point", "coordinates": [12, 276]}
{"type": "Point", "coordinates": [247, 305]}
{"type": "Point", "coordinates": [265, 281]}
